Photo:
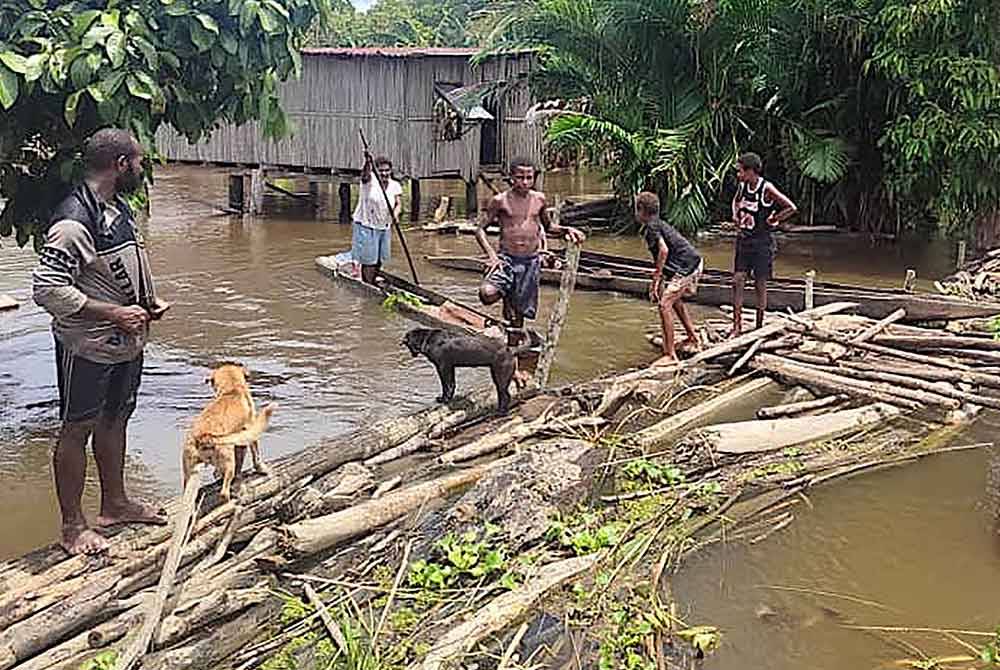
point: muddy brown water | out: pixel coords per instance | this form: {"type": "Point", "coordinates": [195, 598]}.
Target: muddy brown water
{"type": "Point", "coordinates": [917, 538]}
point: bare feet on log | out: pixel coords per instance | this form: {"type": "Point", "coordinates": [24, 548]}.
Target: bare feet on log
{"type": "Point", "coordinates": [132, 512]}
{"type": "Point", "coordinates": [664, 361]}
{"type": "Point", "coordinates": [689, 346]}
{"type": "Point", "coordinates": [82, 540]}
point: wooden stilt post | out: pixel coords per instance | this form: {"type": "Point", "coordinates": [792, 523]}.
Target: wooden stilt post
{"type": "Point", "coordinates": [471, 199]}
{"type": "Point", "coordinates": [344, 195]}
{"type": "Point", "coordinates": [414, 200]}
{"type": "Point", "coordinates": [559, 313]}
{"type": "Point", "coordinates": [257, 177]}
{"type": "Point", "coordinates": [237, 192]}
{"type": "Point", "coordinates": [314, 195]}
{"type": "Point", "coordinates": [810, 285]}
{"type": "Point", "coordinates": [960, 261]}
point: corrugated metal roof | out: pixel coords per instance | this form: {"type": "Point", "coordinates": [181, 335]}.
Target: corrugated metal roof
{"type": "Point", "coordinates": [390, 52]}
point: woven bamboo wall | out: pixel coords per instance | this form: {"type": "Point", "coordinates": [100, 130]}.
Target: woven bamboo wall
{"type": "Point", "coordinates": [391, 97]}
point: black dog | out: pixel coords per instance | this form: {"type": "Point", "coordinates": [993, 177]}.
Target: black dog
{"type": "Point", "coordinates": [448, 351]}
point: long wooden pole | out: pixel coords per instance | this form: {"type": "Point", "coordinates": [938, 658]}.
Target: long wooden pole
{"type": "Point", "coordinates": [559, 312]}
{"type": "Point", "coordinates": [392, 213]}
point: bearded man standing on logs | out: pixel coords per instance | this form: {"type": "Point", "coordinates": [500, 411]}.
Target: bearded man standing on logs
{"type": "Point", "coordinates": [758, 208]}
{"type": "Point", "coordinates": [93, 278]}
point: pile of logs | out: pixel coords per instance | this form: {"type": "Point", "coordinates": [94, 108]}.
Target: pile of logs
{"type": "Point", "coordinates": [199, 593]}
{"type": "Point", "coordinates": [914, 369]}
{"type": "Point", "coordinates": [977, 279]}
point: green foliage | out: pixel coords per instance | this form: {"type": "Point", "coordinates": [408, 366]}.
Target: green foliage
{"type": "Point", "coordinates": [69, 68]}
{"type": "Point", "coordinates": [647, 471]}
{"type": "Point", "coordinates": [460, 559]}
{"type": "Point", "coordinates": [412, 23]}
{"type": "Point", "coordinates": [943, 137]}
{"type": "Point", "coordinates": [583, 533]}
{"type": "Point", "coordinates": [394, 300]}
{"type": "Point", "coordinates": [990, 653]}
{"type": "Point", "coordinates": [103, 661]}
{"type": "Point", "coordinates": [866, 111]}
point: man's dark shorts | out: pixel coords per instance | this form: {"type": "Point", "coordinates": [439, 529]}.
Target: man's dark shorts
{"type": "Point", "coordinates": [88, 390]}
{"type": "Point", "coordinates": [517, 278]}
{"type": "Point", "coordinates": [754, 258]}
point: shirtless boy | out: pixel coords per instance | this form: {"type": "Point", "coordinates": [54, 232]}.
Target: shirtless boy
{"type": "Point", "coordinates": [513, 274]}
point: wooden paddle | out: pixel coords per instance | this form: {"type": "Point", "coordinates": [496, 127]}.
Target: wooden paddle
{"type": "Point", "coordinates": [392, 213]}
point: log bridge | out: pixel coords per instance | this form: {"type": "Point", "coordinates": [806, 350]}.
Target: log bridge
{"type": "Point", "coordinates": [201, 593]}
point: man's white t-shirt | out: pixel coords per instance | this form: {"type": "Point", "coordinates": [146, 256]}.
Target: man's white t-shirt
{"type": "Point", "coordinates": [372, 210]}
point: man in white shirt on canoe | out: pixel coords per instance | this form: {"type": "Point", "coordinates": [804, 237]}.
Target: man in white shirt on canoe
{"type": "Point", "coordinates": [372, 230]}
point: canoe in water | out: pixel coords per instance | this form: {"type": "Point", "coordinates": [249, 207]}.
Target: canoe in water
{"type": "Point", "coordinates": [418, 303]}
{"type": "Point", "coordinates": [621, 274]}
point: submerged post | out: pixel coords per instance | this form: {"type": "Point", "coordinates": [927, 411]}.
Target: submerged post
{"type": "Point", "coordinates": [471, 199]}
{"type": "Point", "coordinates": [414, 200]}
{"type": "Point", "coordinates": [344, 195]}
{"type": "Point", "coordinates": [960, 261]}
{"type": "Point", "coordinates": [810, 287]}
{"type": "Point", "coordinates": [559, 312]}
{"type": "Point", "coordinates": [237, 194]}
{"type": "Point", "coordinates": [911, 281]}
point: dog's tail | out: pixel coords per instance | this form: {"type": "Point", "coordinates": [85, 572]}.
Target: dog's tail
{"type": "Point", "coordinates": [251, 433]}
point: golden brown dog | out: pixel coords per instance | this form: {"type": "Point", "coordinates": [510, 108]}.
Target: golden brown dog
{"type": "Point", "coordinates": [225, 427]}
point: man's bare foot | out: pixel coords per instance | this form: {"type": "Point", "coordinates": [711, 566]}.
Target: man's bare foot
{"type": "Point", "coordinates": [664, 361]}
{"type": "Point", "coordinates": [133, 512]}
{"type": "Point", "coordinates": [689, 345]}
{"type": "Point", "coordinates": [78, 540]}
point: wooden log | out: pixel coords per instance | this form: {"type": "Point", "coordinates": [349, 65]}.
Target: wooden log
{"type": "Point", "coordinates": [974, 378]}
{"type": "Point", "coordinates": [411, 446]}
{"type": "Point", "coordinates": [220, 604]}
{"type": "Point", "coordinates": [742, 360]}
{"type": "Point", "coordinates": [736, 343]}
{"type": "Point", "coordinates": [217, 647]}
{"type": "Point", "coordinates": [918, 343]}
{"type": "Point", "coordinates": [745, 437]}
{"type": "Point", "coordinates": [794, 408]}
{"type": "Point", "coordinates": [503, 611]}
{"type": "Point", "coordinates": [820, 333]}
{"type": "Point", "coordinates": [833, 383]}
{"type": "Point", "coordinates": [878, 327]}
{"type": "Point", "coordinates": [7, 302]}
{"type": "Point", "coordinates": [972, 356]}
{"type": "Point", "coordinates": [332, 629]}
{"type": "Point", "coordinates": [23, 597]}
{"type": "Point", "coordinates": [154, 611]}
{"type": "Point", "coordinates": [939, 388]}
{"type": "Point", "coordinates": [566, 285]}
{"type": "Point", "coordinates": [315, 535]}
{"type": "Point", "coordinates": [512, 432]}
{"type": "Point", "coordinates": [662, 431]}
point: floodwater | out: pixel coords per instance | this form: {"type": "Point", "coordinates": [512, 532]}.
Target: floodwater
{"type": "Point", "coordinates": [916, 538]}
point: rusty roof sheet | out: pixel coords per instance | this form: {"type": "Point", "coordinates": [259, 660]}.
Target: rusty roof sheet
{"type": "Point", "coordinates": [391, 52]}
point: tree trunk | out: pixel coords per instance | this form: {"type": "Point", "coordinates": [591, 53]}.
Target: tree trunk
{"type": "Point", "coordinates": [988, 230]}
{"type": "Point", "coordinates": [746, 437]}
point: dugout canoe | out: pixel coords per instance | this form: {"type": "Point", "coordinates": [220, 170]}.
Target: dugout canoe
{"type": "Point", "coordinates": [421, 304]}
{"type": "Point", "coordinates": [623, 274]}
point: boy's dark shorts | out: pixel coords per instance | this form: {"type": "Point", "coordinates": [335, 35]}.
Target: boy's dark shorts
{"type": "Point", "coordinates": [755, 259]}
{"type": "Point", "coordinates": [517, 279]}
{"type": "Point", "coordinates": [88, 390]}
